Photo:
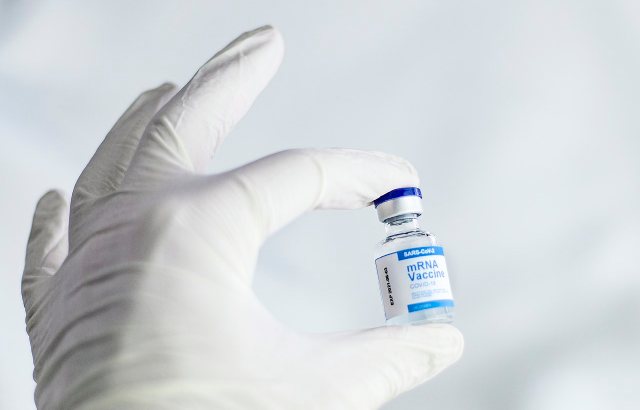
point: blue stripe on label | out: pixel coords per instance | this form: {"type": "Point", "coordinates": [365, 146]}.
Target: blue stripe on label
{"type": "Point", "coordinates": [417, 252]}
{"type": "Point", "coordinates": [414, 307]}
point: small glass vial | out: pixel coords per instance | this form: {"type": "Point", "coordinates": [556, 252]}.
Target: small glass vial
{"type": "Point", "coordinates": [412, 272]}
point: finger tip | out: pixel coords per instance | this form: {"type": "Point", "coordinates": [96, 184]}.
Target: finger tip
{"type": "Point", "coordinates": [266, 33]}
{"type": "Point", "coordinates": [167, 86]}
{"type": "Point", "coordinates": [53, 196]}
{"type": "Point", "coordinates": [423, 351]}
{"type": "Point", "coordinates": [404, 174]}
{"type": "Point", "coordinates": [449, 337]}
{"type": "Point", "coordinates": [159, 94]}
{"type": "Point", "coordinates": [267, 30]}
{"type": "Point", "coordinates": [53, 202]}
{"type": "Point", "coordinates": [457, 344]}
{"type": "Point", "coordinates": [406, 166]}
{"type": "Point", "coordinates": [411, 169]}
{"type": "Point", "coordinates": [357, 177]}
{"type": "Point", "coordinates": [272, 38]}
{"type": "Point", "coordinates": [263, 46]}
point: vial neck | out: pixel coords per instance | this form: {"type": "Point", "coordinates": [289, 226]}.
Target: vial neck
{"type": "Point", "coordinates": [401, 224]}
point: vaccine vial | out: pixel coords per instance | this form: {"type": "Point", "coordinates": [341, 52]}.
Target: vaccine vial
{"type": "Point", "coordinates": [412, 272]}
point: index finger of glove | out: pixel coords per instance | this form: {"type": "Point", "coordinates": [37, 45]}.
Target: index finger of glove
{"type": "Point", "coordinates": [284, 185]}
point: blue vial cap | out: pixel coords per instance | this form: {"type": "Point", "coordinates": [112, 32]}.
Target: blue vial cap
{"type": "Point", "coordinates": [397, 193]}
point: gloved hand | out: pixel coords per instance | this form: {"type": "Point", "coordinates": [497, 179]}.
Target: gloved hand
{"type": "Point", "coordinates": [150, 304]}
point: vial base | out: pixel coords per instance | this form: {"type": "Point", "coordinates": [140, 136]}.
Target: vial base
{"type": "Point", "coordinates": [433, 315]}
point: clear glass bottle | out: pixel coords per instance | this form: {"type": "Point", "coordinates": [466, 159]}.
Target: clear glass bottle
{"type": "Point", "coordinates": [414, 281]}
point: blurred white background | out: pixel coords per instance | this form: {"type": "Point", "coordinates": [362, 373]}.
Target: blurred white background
{"type": "Point", "coordinates": [523, 118]}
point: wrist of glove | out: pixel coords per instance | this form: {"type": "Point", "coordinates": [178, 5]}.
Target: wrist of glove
{"type": "Point", "coordinates": [138, 294]}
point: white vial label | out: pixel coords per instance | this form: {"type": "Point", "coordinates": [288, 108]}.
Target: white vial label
{"type": "Point", "coordinates": [413, 279]}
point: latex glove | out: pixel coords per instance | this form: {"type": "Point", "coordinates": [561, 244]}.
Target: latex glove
{"type": "Point", "coordinates": [152, 305]}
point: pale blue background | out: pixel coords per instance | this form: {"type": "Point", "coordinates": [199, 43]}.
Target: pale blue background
{"type": "Point", "coordinates": [521, 116]}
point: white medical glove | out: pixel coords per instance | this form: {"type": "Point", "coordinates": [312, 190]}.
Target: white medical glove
{"type": "Point", "coordinates": [144, 300]}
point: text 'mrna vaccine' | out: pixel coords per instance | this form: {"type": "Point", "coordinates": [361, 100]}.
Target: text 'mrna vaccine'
{"type": "Point", "coordinates": [414, 281]}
